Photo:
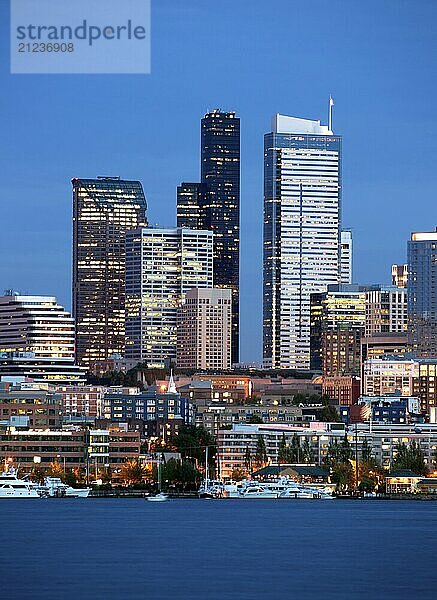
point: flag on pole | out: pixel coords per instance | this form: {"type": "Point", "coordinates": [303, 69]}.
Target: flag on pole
{"type": "Point", "coordinates": [331, 101]}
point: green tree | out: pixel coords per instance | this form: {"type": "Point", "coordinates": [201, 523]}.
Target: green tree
{"type": "Point", "coordinates": [191, 441]}
{"type": "Point", "coordinates": [260, 452]}
{"type": "Point", "coordinates": [366, 451]}
{"type": "Point", "coordinates": [295, 450]}
{"type": "Point", "coordinates": [329, 414]}
{"type": "Point", "coordinates": [133, 472]}
{"type": "Point", "coordinates": [282, 450]}
{"type": "Point", "coordinates": [410, 457]}
{"type": "Point", "coordinates": [345, 450]}
{"type": "Point", "coordinates": [248, 459]}
{"type": "Point", "coordinates": [179, 474]}
{"type": "Point", "coordinates": [70, 479]}
{"type": "Point", "coordinates": [343, 475]}
{"type": "Point", "coordinates": [307, 453]}
{"type": "Point", "coordinates": [37, 474]}
{"type": "Point", "coordinates": [255, 419]}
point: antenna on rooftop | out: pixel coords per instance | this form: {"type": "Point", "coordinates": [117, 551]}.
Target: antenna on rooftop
{"type": "Point", "coordinates": [331, 104]}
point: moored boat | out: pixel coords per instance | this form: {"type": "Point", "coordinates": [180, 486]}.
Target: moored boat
{"type": "Point", "coordinates": [12, 487]}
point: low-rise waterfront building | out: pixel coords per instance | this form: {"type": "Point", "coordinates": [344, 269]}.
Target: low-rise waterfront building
{"type": "Point", "coordinates": [71, 448]}
{"type": "Point", "coordinates": [236, 443]}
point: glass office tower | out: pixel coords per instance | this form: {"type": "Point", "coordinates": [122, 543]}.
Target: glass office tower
{"type": "Point", "coordinates": [220, 172]}
{"type": "Point", "coordinates": [104, 209]}
{"type": "Point", "coordinates": [302, 211]}
{"type": "Point", "coordinates": [422, 293]}
{"type": "Point", "coordinates": [162, 265]}
{"type": "Point", "coordinates": [191, 200]}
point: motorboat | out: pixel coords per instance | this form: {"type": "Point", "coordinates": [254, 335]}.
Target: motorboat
{"type": "Point", "coordinates": [160, 497]}
{"type": "Point", "coordinates": [12, 487]}
{"type": "Point", "coordinates": [55, 488]}
{"type": "Point", "coordinates": [282, 488]}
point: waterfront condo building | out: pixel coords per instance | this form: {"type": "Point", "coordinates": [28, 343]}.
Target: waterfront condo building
{"type": "Point", "coordinates": [214, 203]}
{"type": "Point", "coordinates": [346, 257]}
{"type": "Point", "coordinates": [422, 293]}
{"type": "Point", "coordinates": [161, 266]}
{"type": "Point", "coordinates": [104, 209]}
{"type": "Point", "coordinates": [37, 339]}
{"type": "Point", "coordinates": [204, 330]}
{"type": "Point", "coordinates": [302, 202]}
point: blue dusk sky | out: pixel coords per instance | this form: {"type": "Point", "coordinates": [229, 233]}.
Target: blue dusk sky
{"type": "Point", "coordinates": [378, 59]}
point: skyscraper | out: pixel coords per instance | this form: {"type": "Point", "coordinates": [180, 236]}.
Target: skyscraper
{"type": "Point", "coordinates": [215, 203]}
{"type": "Point", "coordinates": [104, 209]}
{"type": "Point", "coordinates": [346, 257]}
{"type": "Point", "coordinates": [302, 202]}
{"type": "Point", "coordinates": [204, 330]}
{"type": "Point", "coordinates": [161, 266]}
{"type": "Point", "coordinates": [191, 200]}
{"type": "Point", "coordinates": [37, 339]}
{"type": "Point", "coordinates": [422, 293]}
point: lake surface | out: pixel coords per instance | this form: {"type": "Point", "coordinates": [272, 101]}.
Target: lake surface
{"type": "Point", "coordinates": [207, 550]}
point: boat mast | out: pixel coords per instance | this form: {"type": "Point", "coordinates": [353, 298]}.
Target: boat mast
{"type": "Point", "coordinates": [206, 467]}
{"type": "Point", "coordinates": [159, 473]}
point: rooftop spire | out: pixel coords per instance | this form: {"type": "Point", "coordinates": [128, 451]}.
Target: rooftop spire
{"type": "Point", "coordinates": [171, 384]}
{"type": "Point", "coordinates": [331, 104]}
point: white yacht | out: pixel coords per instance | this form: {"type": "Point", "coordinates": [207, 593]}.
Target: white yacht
{"type": "Point", "coordinates": [282, 488]}
{"type": "Point", "coordinates": [54, 488]}
{"type": "Point", "coordinates": [12, 487]}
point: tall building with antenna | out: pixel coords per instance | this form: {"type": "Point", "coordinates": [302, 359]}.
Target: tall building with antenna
{"type": "Point", "coordinates": [302, 213]}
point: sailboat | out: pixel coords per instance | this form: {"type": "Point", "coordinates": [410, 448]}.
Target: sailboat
{"type": "Point", "coordinates": [160, 496]}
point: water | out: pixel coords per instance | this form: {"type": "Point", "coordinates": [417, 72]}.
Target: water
{"type": "Point", "coordinates": [209, 550]}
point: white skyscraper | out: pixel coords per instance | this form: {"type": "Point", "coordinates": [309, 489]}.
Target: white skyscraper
{"type": "Point", "coordinates": [346, 257]}
{"type": "Point", "coordinates": [37, 339]}
{"type": "Point", "coordinates": [161, 266]}
{"type": "Point", "coordinates": [302, 198]}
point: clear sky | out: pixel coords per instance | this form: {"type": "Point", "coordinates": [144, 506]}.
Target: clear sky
{"type": "Point", "coordinates": [377, 58]}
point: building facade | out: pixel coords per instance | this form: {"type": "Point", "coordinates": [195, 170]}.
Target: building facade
{"type": "Point", "coordinates": [37, 339]}
{"type": "Point", "coordinates": [234, 445]}
{"type": "Point", "coordinates": [390, 375]}
{"type": "Point", "coordinates": [302, 204]}
{"type": "Point", "coordinates": [81, 401]}
{"type": "Point", "coordinates": [399, 276]}
{"type": "Point", "coordinates": [422, 293]}
{"type": "Point", "coordinates": [346, 259]}
{"type": "Point", "coordinates": [191, 205]}
{"type": "Point", "coordinates": [104, 209]}
{"type": "Point", "coordinates": [337, 321]}
{"type": "Point", "coordinates": [220, 173]}
{"type": "Point", "coordinates": [204, 330]}
{"type": "Point", "coordinates": [41, 408]}
{"type": "Point", "coordinates": [386, 310]}
{"type": "Point", "coordinates": [161, 266]}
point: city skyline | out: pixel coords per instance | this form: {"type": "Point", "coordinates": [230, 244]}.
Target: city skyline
{"type": "Point", "coordinates": [131, 137]}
